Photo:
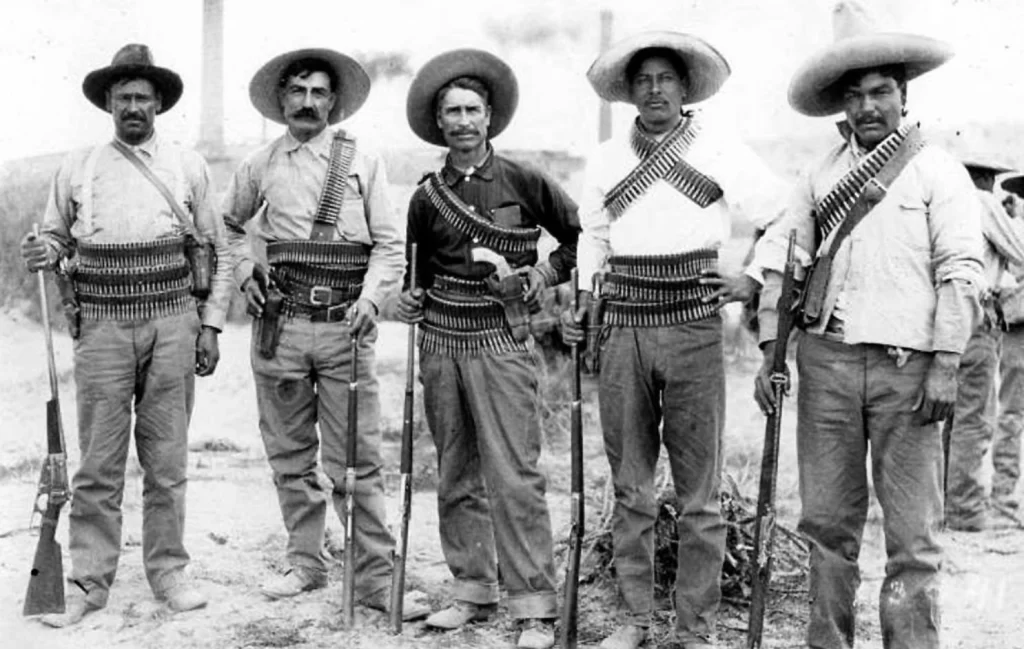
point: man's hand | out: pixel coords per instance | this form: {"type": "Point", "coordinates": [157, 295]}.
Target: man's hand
{"type": "Point", "coordinates": [410, 306]}
{"type": "Point", "coordinates": [207, 351]}
{"type": "Point", "coordinates": [36, 253]}
{"type": "Point", "coordinates": [740, 288]}
{"type": "Point", "coordinates": [535, 285]}
{"type": "Point", "coordinates": [255, 289]}
{"type": "Point", "coordinates": [573, 324]}
{"type": "Point", "coordinates": [937, 397]}
{"type": "Point", "coordinates": [764, 390]}
{"type": "Point", "coordinates": [360, 317]}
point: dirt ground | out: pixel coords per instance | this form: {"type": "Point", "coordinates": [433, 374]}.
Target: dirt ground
{"type": "Point", "coordinates": [236, 539]}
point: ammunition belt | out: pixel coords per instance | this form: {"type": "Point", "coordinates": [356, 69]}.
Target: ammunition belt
{"type": "Point", "coordinates": [651, 289]}
{"type": "Point", "coordinates": [838, 202]}
{"type": "Point", "coordinates": [679, 266]}
{"type": "Point", "coordinates": [322, 253]}
{"type": "Point", "coordinates": [343, 151]}
{"type": "Point", "coordinates": [484, 233]}
{"type": "Point", "coordinates": [133, 281]}
{"type": "Point", "coordinates": [462, 322]}
{"type": "Point", "coordinates": [656, 314]}
{"type": "Point", "coordinates": [657, 290]}
{"type": "Point", "coordinates": [320, 275]}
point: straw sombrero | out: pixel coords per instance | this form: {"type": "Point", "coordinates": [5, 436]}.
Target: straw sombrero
{"type": "Point", "coordinates": [133, 61]}
{"type": "Point", "coordinates": [984, 164]}
{"type": "Point", "coordinates": [858, 44]}
{"type": "Point", "coordinates": [706, 68]}
{"type": "Point", "coordinates": [353, 82]}
{"type": "Point", "coordinates": [1014, 184]}
{"type": "Point", "coordinates": [435, 73]}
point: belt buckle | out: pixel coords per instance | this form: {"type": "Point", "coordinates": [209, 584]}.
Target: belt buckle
{"type": "Point", "coordinates": [320, 295]}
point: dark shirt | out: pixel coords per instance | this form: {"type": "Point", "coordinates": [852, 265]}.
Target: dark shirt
{"type": "Point", "coordinates": [498, 185]}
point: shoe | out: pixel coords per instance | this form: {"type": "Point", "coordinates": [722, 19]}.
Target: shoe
{"type": "Point", "coordinates": [180, 592]}
{"type": "Point", "coordinates": [537, 634]}
{"type": "Point", "coordinates": [627, 636]}
{"type": "Point", "coordinates": [75, 608]}
{"type": "Point", "coordinates": [459, 614]}
{"type": "Point", "coordinates": [414, 605]}
{"type": "Point", "coordinates": [291, 584]}
{"type": "Point", "coordinates": [974, 524]}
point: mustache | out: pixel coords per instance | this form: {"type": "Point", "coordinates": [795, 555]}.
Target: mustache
{"type": "Point", "coordinates": [125, 116]}
{"type": "Point", "coordinates": [465, 131]}
{"type": "Point", "coordinates": [864, 120]}
{"type": "Point", "coordinates": [306, 112]}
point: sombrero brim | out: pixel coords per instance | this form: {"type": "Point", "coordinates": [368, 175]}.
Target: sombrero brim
{"type": "Point", "coordinates": [167, 83]}
{"type": "Point", "coordinates": [992, 167]}
{"type": "Point", "coordinates": [435, 73]}
{"type": "Point", "coordinates": [813, 91]}
{"type": "Point", "coordinates": [706, 68]}
{"type": "Point", "coordinates": [1014, 184]}
{"type": "Point", "coordinates": [353, 82]}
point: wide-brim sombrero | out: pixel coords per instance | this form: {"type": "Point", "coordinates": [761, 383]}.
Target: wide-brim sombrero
{"type": "Point", "coordinates": [984, 164]}
{"type": "Point", "coordinates": [352, 91]}
{"type": "Point", "coordinates": [493, 72]}
{"type": "Point", "coordinates": [706, 68]}
{"type": "Point", "coordinates": [1014, 184]}
{"type": "Point", "coordinates": [133, 61]}
{"type": "Point", "coordinates": [858, 45]}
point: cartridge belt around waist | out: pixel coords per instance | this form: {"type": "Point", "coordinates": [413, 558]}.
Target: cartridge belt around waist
{"type": "Point", "coordinates": [320, 279]}
{"type": "Point", "coordinates": [657, 291]}
{"type": "Point", "coordinates": [318, 253]}
{"type": "Point", "coordinates": [460, 318]}
{"type": "Point", "coordinates": [133, 281]}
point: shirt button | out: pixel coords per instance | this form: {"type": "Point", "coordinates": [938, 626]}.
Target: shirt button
{"type": "Point", "coordinates": [472, 208]}
{"type": "Point", "coordinates": [467, 179]}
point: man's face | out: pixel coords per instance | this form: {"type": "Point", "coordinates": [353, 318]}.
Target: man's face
{"type": "Point", "coordinates": [464, 119]}
{"type": "Point", "coordinates": [874, 107]}
{"type": "Point", "coordinates": [133, 105]}
{"type": "Point", "coordinates": [306, 103]}
{"type": "Point", "coordinates": [658, 92]}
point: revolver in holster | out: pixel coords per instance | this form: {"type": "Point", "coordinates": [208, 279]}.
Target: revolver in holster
{"type": "Point", "coordinates": [202, 262]}
{"type": "Point", "coordinates": [509, 292]}
{"type": "Point", "coordinates": [69, 301]}
{"type": "Point", "coordinates": [595, 325]}
{"type": "Point", "coordinates": [268, 326]}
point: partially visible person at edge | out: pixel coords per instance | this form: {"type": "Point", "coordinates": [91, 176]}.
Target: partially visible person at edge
{"type": "Point", "coordinates": [142, 336]}
{"type": "Point", "coordinates": [654, 238]}
{"type": "Point", "coordinates": [334, 259]}
{"type": "Point", "coordinates": [969, 434]}
{"type": "Point", "coordinates": [478, 364]}
{"type": "Point", "coordinates": [878, 361]}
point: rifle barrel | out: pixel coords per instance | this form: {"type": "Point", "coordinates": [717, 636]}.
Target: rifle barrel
{"type": "Point", "coordinates": [570, 607]}
{"type": "Point", "coordinates": [348, 587]}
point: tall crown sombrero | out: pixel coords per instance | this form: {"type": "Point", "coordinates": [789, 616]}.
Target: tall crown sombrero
{"type": "Point", "coordinates": [353, 82]}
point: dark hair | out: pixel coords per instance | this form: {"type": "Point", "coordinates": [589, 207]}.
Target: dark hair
{"type": "Point", "coordinates": [125, 78]}
{"type": "Point", "coordinates": [895, 71]}
{"type": "Point", "coordinates": [302, 68]}
{"type": "Point", "coordinates": [670, 55]}
{"type": "Point", "coordinates": [474, 84]}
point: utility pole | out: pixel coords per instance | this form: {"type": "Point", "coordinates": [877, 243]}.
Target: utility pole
{"type": "Point", "coordinates": [211, 114]}
{"type": "Point", "coordinates": [604, 120]}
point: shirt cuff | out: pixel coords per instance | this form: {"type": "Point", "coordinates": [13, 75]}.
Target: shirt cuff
{"type": "Point", "coordinates": [243, 271]}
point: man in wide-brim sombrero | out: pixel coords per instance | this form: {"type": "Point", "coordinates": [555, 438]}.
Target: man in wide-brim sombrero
{"type": "Point", "coordinates": [481, 213]}
{"type": "Point", "coordinates": [142, 328]}
{"type": "Point", "coordinates": [334, 249]}
{"type": "Point", "coordinates": [659, 199]}
{"type": "Point", "coordinates": [892, 224]}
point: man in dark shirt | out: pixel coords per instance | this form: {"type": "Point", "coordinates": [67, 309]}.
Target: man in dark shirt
{"type": "Point", "coordinates": [479, 368]}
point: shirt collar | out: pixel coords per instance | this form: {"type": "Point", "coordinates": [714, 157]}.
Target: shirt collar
{"type": "Point", "coordinates": [148, 148]}
{"type": "Point", "coordinates": [485, 171]}
{"type": "Point", "coordinates": [319, 144]}
{"type": "Point", "coordinates": [851, 138]}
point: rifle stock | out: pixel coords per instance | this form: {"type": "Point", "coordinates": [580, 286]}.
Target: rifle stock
{"type": "Point", "coordinates": [348, 604]}
{"type": "Point", "coordinates": [405, 488]}
{"type": "Point", "coordinates": [764, 522]}
{"type": "Point", "coordinates": [570, 605]}
{"type": "Point", "coordinates": [45, 592]}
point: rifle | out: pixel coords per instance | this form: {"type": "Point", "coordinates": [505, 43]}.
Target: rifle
{"type": "Point", "coordinates": [349, 583]}
{"type": "Point", "coordinates": [570, 606]}
{"type": "Point", "coordinates": [45, 592]}
{"type": "Point", "coordinates": [764, 522]}
{"type": "Point", "coordinates": [405, 488]}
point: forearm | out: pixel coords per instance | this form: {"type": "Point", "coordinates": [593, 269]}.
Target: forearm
{"type": "Point", "coordinates": [957, 312]}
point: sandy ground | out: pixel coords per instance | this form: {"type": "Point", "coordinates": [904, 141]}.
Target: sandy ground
{"type": "Point", "coordinates": [235, 536]}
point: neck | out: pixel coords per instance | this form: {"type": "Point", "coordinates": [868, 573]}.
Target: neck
{"type": "Point", "coordinates": [463, 160]}
{"type": "Point", "coordinates": [134, 140]}
{"type": "Point", "coordinates": [305, 135]}
{"type": "Point", "coordinates": [660, 128]}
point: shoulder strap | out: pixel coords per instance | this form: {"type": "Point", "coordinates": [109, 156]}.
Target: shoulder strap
{"type": "Point", "coordinates": [160, 186]}
{"type": "Point", "coordinates": [343, 151]}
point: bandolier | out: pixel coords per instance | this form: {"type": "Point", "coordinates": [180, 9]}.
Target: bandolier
{"type": "Point", "coordinates": [462, 316]}
{"type": "Point", "coordinates": [132, 281]}
{"type": "Point", "coordinates": [657, 290]}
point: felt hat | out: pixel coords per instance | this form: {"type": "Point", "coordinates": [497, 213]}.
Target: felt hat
{"type": "Point", "coordinates": [985, 164]}
{"type": "Point", "coordinates": [858, 44]}
{"type": "Point", "coordinates": [706, 68]}
{"type": "Point", "coordinates": [352, 91]}
{"type": "Point", "coordinates": [1014, 184]}
{"type": "Point", "coordinates": [501, 82]}
{"type": "Point", "coordinates": [133, 61]}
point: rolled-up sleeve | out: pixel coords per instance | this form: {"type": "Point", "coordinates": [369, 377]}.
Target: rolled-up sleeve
{"type": "Point", "coordinates": [214, 310]}
{"type": "Point", "coordinates": [594, 245]}
{"type": "Point", "coordinates": [60, 213]}
{"type": "Point", "coordinates": [240, 204]}
{"type": "Point", "coordinates": [387, 230]}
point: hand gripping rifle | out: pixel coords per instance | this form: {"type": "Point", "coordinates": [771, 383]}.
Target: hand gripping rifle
{"type": "Point", "coordinates": [570, 607]}
{"type": "Point", "coordinates": [348, 604]}
{"type": "Point", "coordinates": [764, 522]}
{"type": "Point", "coordinates": [45, 592]}
{"type": "Point", "coordinates": [405, 488]}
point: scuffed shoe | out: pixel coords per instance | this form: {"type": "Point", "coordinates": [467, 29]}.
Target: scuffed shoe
{"type": "Point", "coordinates": [75, 608]}
{"type": "Point", "coordinates": [627, 636]}
{"type": "Point", "coordinates": [180, 592]}
{"type": "Point", "coordinates": [291, 584]}
{"type": "Point", "coordinates": [414, 605]}
{"type": "Point", "coordinates": [537, 634]}
{"type": "Point", "coordinates": [459, 614]}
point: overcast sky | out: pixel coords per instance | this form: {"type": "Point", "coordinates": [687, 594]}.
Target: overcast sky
{"type": "Point", "coordinates": [50, 45]}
